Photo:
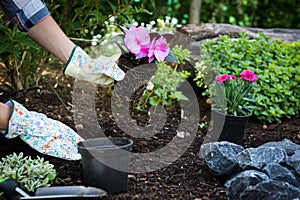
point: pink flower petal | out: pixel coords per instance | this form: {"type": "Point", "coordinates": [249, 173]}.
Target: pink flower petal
{"type": "Point", "coordinates": [135, 38]}
{"type": "Point", "coordinates": [133, 46]}
{"type": "Point", "coordinates": [142, 35]}
{"type": "Point", "coordinates": [151, 50]}
{"type": "Point", "coordinates": [158, 49]}
{"type": "Point", "coordinates": [249, 76]}
{"type": "Point", "coordinates": [151, 59]}
{"type": "Point", "coordinates": [222, 78]}
{"type": "Point", "coordinates": [233, 77]}
{"type": "Point", "coordinates": [143, 51]}
{"type": "Point", "coordinates": [161, 50]}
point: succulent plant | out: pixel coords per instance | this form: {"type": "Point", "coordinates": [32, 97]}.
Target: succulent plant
{"type": "Point", "coordinates": [29, 173]}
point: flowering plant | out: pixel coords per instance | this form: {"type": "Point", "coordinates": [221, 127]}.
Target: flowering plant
{"type": "Point", "coordinates": [144, 45]}
{"type": "Point", "coordinates": [138, 41]}
{"type": "Point", "coordinates": [141, 47]}
{"type": "Point", "coordinates": [231, 95]}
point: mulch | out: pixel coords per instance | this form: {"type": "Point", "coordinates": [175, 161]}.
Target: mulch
{"type": "Point", "coordinates": [185, 178]}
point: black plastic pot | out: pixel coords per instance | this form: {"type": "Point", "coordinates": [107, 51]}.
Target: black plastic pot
{"type": "Point", "coordinates": [105, 163]}
{"type": "Point", "coordinates": [228, 127]}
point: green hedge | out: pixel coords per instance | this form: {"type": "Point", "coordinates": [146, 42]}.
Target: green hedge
{"type": "Point", "coordinates": [277, 64]}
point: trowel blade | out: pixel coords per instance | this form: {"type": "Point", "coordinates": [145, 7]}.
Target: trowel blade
{"type": "Point", "coordinates": [60, 192]}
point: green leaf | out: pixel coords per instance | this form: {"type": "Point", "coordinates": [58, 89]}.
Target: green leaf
{"type": "Point", "coordinates": [179, 96]}
{"type": "Point", "coordinates": [154, 101]}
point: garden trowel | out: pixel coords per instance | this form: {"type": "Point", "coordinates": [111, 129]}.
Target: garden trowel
{"type": "Point", "coordinates": [12, 192]}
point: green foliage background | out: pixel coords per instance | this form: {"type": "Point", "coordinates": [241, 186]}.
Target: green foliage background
{"type": "Point", "coordinates": [252, 13]}
{"type": "Point", "coordinates": [85, 18]}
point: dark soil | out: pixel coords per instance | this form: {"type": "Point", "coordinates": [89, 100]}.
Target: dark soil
{"type": "Point", "coordinates": [186, 178]}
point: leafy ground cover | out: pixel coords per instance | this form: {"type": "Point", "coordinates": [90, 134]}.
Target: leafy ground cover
{"type": "Point", "coordinates": [186, 178]}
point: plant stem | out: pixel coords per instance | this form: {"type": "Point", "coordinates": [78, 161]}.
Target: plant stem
{"type": "Point", "coordinates": [60, 99]}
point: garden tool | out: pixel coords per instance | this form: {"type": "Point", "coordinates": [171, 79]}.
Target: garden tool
{"type": "Point", "coordinates": [11, 191]}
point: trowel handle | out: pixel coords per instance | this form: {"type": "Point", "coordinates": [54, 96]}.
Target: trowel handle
{"type": "Point", "coordinates": [8, 187]}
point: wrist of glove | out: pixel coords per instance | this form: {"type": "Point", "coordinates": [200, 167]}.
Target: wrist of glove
{"type": "Point", "coordinates": [102, 70]}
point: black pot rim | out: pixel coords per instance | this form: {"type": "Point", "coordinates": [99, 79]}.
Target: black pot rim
{"type": "Point", "coordinates": [128, 144]}
{"type": "Point", "coordinates": [222, 113]}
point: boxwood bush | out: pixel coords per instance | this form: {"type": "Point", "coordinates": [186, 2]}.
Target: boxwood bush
{"type": "Point", "coordinates": [277, 92]}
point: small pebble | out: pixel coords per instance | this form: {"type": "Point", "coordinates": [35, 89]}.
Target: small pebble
{"type": "Point", "coordinates": [265, 127]}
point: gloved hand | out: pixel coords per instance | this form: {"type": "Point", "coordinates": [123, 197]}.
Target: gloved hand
{"type": "Point", "coordinates": [102, 70]}
{"type": "Point", "coordinates": [43, 134]}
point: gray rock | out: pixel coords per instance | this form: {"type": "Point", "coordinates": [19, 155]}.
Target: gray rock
{"type": "Point", "coordinates": [238, 183]}
{"type": "Point", "coordinates": [279, 173]}
{"type": "Point", "coordinates": [294, 161]}
{"type": "Point", "coordinates": [286, 144]}
{"type": "Point", "coordinates": [259, 157]}
{"type": "Point", "coordinates": [220, 156]}
{"type": "Point", "coordinates": [271, 190]}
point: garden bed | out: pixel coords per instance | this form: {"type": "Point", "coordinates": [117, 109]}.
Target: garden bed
{"type": "Point", "coordinates": [186, 178]}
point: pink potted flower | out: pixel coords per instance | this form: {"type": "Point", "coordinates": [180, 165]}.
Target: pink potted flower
{"type": "Point", "coordinates": [231, 105]}
{"type": "Point", "coordinates": [232, 95]}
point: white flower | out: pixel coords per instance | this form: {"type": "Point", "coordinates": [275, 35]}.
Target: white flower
{"type": "Point", "coordinates": [150, 86]}
{"type": "Point", "coordinates": [94, 41]}
{"type": "Point", "coordinates": [112, 19]}
{"type": "Point", "coordinates": [174, 21]}
{"type": "Point", "coordinates": [152, 22]}
{"type": "Point", "coordinates": [161, 23]}
{"type": "Point", "coordinates": [168, 20]}
{"type": "Point", "coordinates": [135, 23]}
{"type": "Point", "coordinates": [149, 27]}
{"type": "Point", "coordinates": [200, 65]}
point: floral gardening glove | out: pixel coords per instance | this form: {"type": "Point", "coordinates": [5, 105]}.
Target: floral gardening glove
{"type": "Point", "coordinates": [102, 70]}
{"type": "Point", "coordinates": [43, 134]}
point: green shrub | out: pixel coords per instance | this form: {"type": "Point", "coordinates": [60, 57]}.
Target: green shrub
{"type": "Point", "coordinates": [23, 59]}
{"type": "Point", "coordinates": [277, 64]}
{"type": "Point", "coordinates": [29, 173]}
{"type": "Point", "coordinates": [84, 19]}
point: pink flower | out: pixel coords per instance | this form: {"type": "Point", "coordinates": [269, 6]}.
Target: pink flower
{"type": "Point", "coordinates": [158, 49]}
{"type": "Point", "coordinates": [249, 76]}
{"type": "Point", "coordinates": [137, 40]}
{"type": "Point", "coordinates": [144, 51]}
{"type": "Point", "coordinates": [222, 78]}
{"type": "Point", "coordinates": [233, 77]}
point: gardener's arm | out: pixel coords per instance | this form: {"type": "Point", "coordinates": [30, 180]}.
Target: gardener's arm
{"type": "Point", "coordinates": [33, 16]}
{"type": "Point", "coordinates": [49, 35]}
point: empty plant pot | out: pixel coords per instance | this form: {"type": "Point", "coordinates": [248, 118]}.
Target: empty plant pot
{"type": "Point", "coordinates": [105, 162]}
